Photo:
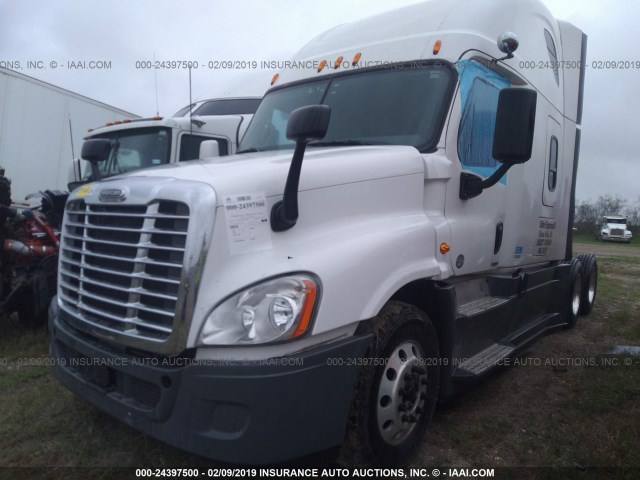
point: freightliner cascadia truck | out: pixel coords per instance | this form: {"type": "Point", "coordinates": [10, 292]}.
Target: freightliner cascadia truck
{"type": "Point", "coordinates": [397, 221]}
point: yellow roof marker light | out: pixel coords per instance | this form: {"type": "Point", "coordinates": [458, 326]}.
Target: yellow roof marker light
{"type": "Point", "coordinates": [338, 62]}
{"type": "Point", "coordinates": [323, 64]}
{"type": "Point", "coordinates": [356, 59]}
{"type": "Point", "coordinates": [437, 46]}
{"type": "Point", "coordinates": [274, 79]}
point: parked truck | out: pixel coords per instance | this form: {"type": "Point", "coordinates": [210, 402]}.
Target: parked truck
{"type": "Point", "coordinates": [150, 142]}
{"type": "Point", "coordinates": [29, 109]}
{"type": "Point", "coordinates": [397, 223]}
{"type": "Point", "coordinates": [614, 229]}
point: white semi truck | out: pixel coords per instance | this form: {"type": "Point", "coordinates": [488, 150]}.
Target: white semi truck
{"type": "Point", "coordinates": [149, 142]}
{"type": "Point", "coordinates": [397, 221]}
{"type": "Point", "coordinates": [614, 229]}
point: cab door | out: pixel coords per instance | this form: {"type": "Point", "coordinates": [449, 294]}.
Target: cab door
{"type": "Point", "coordinates": [476, 224]}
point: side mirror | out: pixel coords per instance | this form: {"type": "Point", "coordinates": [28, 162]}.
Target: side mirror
{"type": "Point", "coordinates": [96, 149]}
{"type": "Point", "coordinates": [309, 123]}
{"type": "Point", "coordinates": [208, 149]}
{"type": "Point", "coordinates": [515, 123]}
{"type": "Point", "coordinates": [512, 140]}
{"type": "Point", "coordinates": [305, 125]}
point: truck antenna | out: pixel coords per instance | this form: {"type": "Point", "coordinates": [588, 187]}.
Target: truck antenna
{"type": "Point", "coordinates": [190, 103]}
{"type": "Point", "coordinates": [73, 155]}
{"type": "Point", "coordinates": [155, 76]}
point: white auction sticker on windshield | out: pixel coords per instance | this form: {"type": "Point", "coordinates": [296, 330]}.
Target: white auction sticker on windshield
{"type": "Point", "coordinates": [247, 222]}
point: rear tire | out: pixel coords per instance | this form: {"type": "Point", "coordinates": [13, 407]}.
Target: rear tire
{"type": "Point", "coordinates": [396, 391]}
{"type": "Point", "coordinates": [574, 299]}
{"type": "Point", "coordinates": [590, 282]}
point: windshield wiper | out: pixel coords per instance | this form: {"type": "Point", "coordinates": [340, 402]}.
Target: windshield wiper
{"type": "Point", "coordinates": [249, 150]}
{"type": "Point", "coordinates": [343, 143]}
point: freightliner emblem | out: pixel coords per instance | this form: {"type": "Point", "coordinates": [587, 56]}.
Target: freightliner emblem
{"type": "Point", "coordinates": [112, 195]}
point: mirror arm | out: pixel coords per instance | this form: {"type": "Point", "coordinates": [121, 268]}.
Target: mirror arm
{"type": "Point", "coordinates": [472, 185]}
{"type": "Point", "coordinates": [284, 214]}
{"type": "Point", "coordinates": [95, 172]}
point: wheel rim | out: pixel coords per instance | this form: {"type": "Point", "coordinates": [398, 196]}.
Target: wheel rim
{"type": "Point", "coordinates": [591, 293]}
{"type": "Point", "coordinates": [402, 393]}
{"type": "Point", "coordinates": [575, 300]}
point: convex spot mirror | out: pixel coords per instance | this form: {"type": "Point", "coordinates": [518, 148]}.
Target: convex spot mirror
{"type": "Point", "coordinates": [208, 149]}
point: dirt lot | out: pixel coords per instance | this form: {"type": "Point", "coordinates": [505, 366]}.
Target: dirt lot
{"type": "Point", "coordinates": [554, 409]}
{"type": "Point", "coordinates": [565, 407]}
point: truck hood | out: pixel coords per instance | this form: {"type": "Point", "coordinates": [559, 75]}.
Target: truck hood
{"type": "Point", "coordinates": [266, 172]}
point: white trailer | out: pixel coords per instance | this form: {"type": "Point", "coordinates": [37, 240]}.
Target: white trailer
{"type": "Point", "coordinates": [35, 133]}
{"type": "Point", "coordinates": [396, 223]}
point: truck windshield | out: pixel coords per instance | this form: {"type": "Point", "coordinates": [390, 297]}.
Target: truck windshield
{"type": "Point", "coordinates": [403, 105]}
{"type": "Point", "coordinates": [616, 221]}
{"type": "Point", "coordinates": [134, 150]}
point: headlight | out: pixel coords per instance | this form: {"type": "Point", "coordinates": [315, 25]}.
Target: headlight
{"type": "Point", "coordinates": [275, 310]}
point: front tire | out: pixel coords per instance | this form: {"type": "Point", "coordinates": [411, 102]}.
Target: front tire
{"type": "Point", "coordinates": [396, 391]}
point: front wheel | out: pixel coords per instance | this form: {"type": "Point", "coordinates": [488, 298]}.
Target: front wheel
{"type": "Point", "coordinates": [397, 389]}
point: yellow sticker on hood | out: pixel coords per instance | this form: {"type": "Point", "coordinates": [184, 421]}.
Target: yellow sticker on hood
{"type": "Point", "coordinates": [84, 190]}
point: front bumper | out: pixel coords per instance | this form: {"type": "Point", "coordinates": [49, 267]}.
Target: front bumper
{"type": "Point", "coordinates": [616, 238]}
{"type": "Point", "coordinates": [251, 412]}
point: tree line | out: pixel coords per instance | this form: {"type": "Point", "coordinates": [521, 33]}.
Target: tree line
{"type": "Point", "coordinates": [589, 213]}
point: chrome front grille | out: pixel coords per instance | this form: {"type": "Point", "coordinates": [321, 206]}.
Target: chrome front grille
{"type": "Point", "coordinates": [121, 265]}
{"type": "Point", "coordinates": [617, 231]}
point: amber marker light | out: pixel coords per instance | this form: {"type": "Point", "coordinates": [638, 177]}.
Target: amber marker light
{"type": "Point", "coordinates": [338, 61]}
{"type": "Point", "coordinates": [274, 79]}
{"type": "Point", "coordinates": [436, 47]}
{"type": "Point", "coordinates": [323, 64]}
{"type": "Point", "coordinates": [356, 59]}
{"type": "Point", "coordinates": [444, 248]}
{"type": "Point", "coordinates": [310, 292]}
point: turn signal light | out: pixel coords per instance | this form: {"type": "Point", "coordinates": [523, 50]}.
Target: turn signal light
{"type": "Point", "coordinates": [444, 248]}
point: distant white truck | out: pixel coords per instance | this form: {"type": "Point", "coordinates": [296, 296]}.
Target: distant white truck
{"type": "Point", "coordinates": [614, 229]}
{"type": "Point", "coordinates": [151, 142]}
{"type": "Point", "coordinates": [396, 223]}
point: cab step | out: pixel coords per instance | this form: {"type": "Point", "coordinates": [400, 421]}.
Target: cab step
{"type": "Point", "coordinates": [483, 361]}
